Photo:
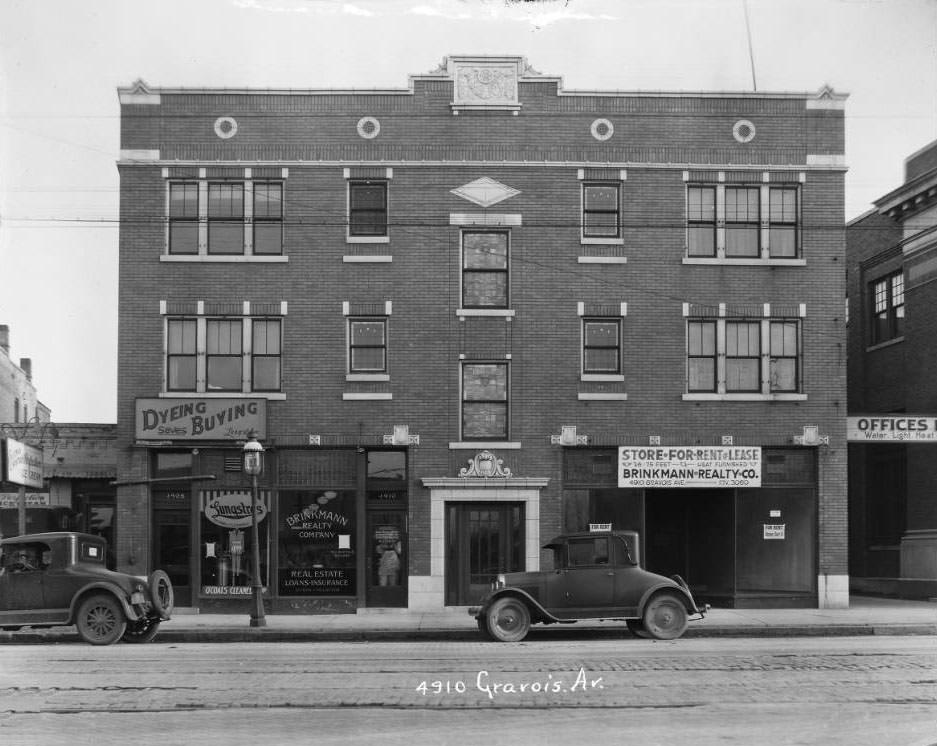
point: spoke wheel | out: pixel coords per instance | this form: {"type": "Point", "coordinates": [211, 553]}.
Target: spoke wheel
{"type": "Point", "coordinates": [665, 617]}
{"type": "Point", "coordinates": [142, 631]}
{"type": "Point", "coordinates": [101, 620]}
{"type": "Point", "coordinates": [508, 620]}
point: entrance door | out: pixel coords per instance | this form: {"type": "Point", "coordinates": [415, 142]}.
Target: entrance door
{"type": "Point", "coordinates": [172, 551]}
{"type": "Point", "coordinates": [483, 540]}
{"type": "Point", "coordinates": [387, 562]}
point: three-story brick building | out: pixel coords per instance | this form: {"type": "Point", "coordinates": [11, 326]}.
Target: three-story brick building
{"type": "Point", "coordinates": [470, 314]}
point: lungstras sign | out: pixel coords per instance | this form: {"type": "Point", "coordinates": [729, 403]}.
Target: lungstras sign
{"type": "Point", "coordinates": [689, 466]}
{"type": "Point", "coordinates": [200, 419]}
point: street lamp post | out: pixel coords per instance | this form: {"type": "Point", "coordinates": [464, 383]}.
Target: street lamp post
{"type": "Point", "coordinates": [254, 465]}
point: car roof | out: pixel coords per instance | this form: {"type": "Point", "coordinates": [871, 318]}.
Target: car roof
{"type": "Point", "coordinates": [48, 536]}
{"type": "Point", "coordinates": [588, 535]}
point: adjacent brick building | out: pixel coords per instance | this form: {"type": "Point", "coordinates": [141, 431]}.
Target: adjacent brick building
{"type": "Point", "coordinates": [466, 315]}
{"type": "Point", "coordinates": [891, 254]}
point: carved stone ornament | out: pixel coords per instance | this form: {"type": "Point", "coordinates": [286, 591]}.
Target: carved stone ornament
{"type": "Point", "coordinates": [485, 84]}
{"type": "Point", "coordinates": [368, 127]}
{"type": "Point", "coordinates": [743, 131]}
{"type": "Point", "coordinates": [485, 191]}
{"type": "Point", "coordinates": [485, 464]}
{"type": "Point", "coordinates": [226, 127]}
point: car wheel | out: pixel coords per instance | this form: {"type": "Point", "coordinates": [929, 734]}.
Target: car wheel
{"type": "Point", "coordinates": [508, 620]}
{"type": "Point", "coordinates": [143, 630]}
{"type": "Point", "coordinates": [665, 617]}
{"type": "Point", "coordinates": [482, 623]}
{"type": "Point", "coordinates": [636, 627]}
{"type": "Point", "coordinates": [161, 593]}
{"type": "Point", "coordinates": [101, 620]}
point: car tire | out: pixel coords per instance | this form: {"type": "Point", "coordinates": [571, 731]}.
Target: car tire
{"type": "Point", "coordinates": [161, 593]}
{"type": "Point", "coordinates": [665, 617]}
{"type": "Point", "coordinates": [636, 627]}
{"type": "Point", "coordinates": [101, 620]}
{"type": "Point", "coordinates": [482, 622]}
{"type": "Point", "coordinates": [508, 620]}
{"type": "Point", "coordinates": [141, 631]}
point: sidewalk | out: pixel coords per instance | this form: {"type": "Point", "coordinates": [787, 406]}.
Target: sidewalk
{"type": "Point", "coordinates": [866, 616]}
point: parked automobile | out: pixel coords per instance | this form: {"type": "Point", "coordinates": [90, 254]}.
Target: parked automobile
{"type": "Point", "coordinates": [60, 578]}
{"type": "Point", "coordinates": [595, 575]}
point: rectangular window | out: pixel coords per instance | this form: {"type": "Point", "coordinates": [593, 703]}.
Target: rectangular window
{"type": "Point", "coordinates": [601, 346]}
{"type": "Point", "coordinates": [743, 356]}
{"type": "Point", "coordinates": [887, 308]}
{"type": "Point", "coordinates": [266, 349]}
{"type": "Point", "coordinates": [367, 346]}
{"type": "Point", "coordinates": [785, 356]}
{"type": "Point", "coordinates": [484, 270]}
{"type": "Point", "coordinates": [782, 223]}
{"type": "Point", "coordinates": [367, 208]}
{"type": "Point", "coordinates": [743, 227]}
{"type": "Point", "coordinates": [181, 355]}
{"type": "Point", "coordinates": [701, 356]}
{"type": "Point", "coordinates": [268, 218]}
{"type": "Point", "coordinates": [226, 218]}
{"type": "Point", "coordinates": [223, 357]}
{"type": "Point", "coordinates": [600, 211]}
{"type": "Point", "coordinates": [484, 401]}
{"type": "Point", "coordinates": [183, 217]}
{"type": "Point", "coordinates": [701, 221]}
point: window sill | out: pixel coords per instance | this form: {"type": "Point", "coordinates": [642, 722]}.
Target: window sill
{"type": "Point", "coordinates": [365, 396]}
{"type": "Point", "coordinates": [484, 312]}
{"type": "Point", "coordinates": [601, 377]}
{"type": "Point", "coordinates": [601, 396]}
{"type": "Point", "coordinates": [269, 395]}
{"type": "Point", "coordinates": [367, 259]}
{"type": "Point", "coordinates": [602, 259]}
{"type": "Point", "coordinates": [367, 377]}
{"type": "Point", "coordinates": [601, 241]}
{"type": "Point", "coordinates": [262, 259]}
{"type": "Point", "coordinates": [745, 262]}
{"type": "Point", "coordinates": [744, 397]}
{"type": "Point", "coordinates": [887, 343]}
{"type": "Point", "coordinates": [367, 239]}
{"type": "Point", "coordinates": [472, 445]}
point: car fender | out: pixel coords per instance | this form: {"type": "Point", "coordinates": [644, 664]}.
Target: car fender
{"type": "Point", "coordinates": [670, 587]}
{"type": "Point", "coordinates": [536, 609]}
{"type": "Point", "coordinates": [112, 590]}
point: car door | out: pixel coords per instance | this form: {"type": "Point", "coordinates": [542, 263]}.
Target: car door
{"type": "Point", "coordinates": [630, 579]}
{"type": "Point", "coordinates": [21, 592]}
{"type": "Point", "coordinates": [588, 580]}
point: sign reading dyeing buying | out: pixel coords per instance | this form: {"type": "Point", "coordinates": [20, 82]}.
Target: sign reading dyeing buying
{"type": "Point", "coordinates": [200, 419]}
{"type": "Point", "coordinates": [891, 428]}
{"type": "Point", "coordinates": [689, 466]}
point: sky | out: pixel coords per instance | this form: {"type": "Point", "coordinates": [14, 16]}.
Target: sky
{"type": "Point", "coordinates": [62, 61]}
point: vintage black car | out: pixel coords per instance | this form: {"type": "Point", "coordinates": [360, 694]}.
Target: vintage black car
{"type": "Point", "coordinates": [60, 578]}
{"type": "Point", "coordinates": [596, 575]}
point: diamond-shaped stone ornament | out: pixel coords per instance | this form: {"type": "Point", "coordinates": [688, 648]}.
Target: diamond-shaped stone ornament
{"type": "Point", "coordinates": [485, 192]}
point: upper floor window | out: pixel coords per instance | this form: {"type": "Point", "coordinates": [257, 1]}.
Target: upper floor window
{"type": "Point", "coordinates": [887, 308]}
{"type": "Point", "coordinates": [367, 346]}
{"type": "Point", "coordinates": [268, 218]}
{"type": "Point", "coordinates": [600, 210]}
{"type": "Point", "coordinates": [183, 217]}
{"type": "Point", "coordinates": [484, 269]}
{"type": "Point", "coordinates": [223, 354]}
{"type": "Point", "coordinates": [226, 218]}
{"type": "Point", "coordinates": [735, 221]}
{"type": "Point", "coordinates": [484, 401]}
{"type": "Point", "coordinates": [367, 208]}
{"type": "Point", "coordinates": [744, 356]}
{"type": "Point", "coordinates": [601, 346]}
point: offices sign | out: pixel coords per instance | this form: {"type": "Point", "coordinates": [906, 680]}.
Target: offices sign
{"type": "Point", "coordinates": [689, 466]}
{"type": "Point", "coordinates": [891, 428]}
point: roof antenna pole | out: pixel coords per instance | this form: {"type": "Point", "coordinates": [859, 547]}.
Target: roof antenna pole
{"type": "Point", "coordinates": [751, 54]}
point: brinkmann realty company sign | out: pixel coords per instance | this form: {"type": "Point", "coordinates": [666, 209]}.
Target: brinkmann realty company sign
{"type": "Point", "coordinates": [689, 466]}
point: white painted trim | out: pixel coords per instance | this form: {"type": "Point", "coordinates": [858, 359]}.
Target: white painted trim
{"type": "Point", "coordinates": [753, 262]}
{"type": "Point", "coordinates": [367, 377]}
{"type": "Point", "coordinates": [601, 397]}
{"type": "Point", "coordinates": [225, 258]}
{"type": "Point", "coordinates": [485, 219]}
{"type": "Point", "coordinates": [745, 397]}
{"type": "Point", "coordinates": [601, 241]}
{"type": "Point", "coordinates": [367, 239]}
{"type": "Point", "coordinates": [833, 160]}
{"type": "Point", "coordinates": [371, 259]}
{"type": "Point", "coordinates": [601, 377]}
{"type": "Point", "coordinates": [380, 396]}
{"type": "Point", "coordinates": [139, 156]}
{"type": "Point", "coordinates": [481, 445]}
{"type": "Point", "coordinates": [602, 259]}
{"type": "Point", "coordinates": [269, 395]}
{"type": "Point", "coordinates": [505, 312]}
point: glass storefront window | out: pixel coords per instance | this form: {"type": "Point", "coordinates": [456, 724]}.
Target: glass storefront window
{"type": "Point", "coordinates": [225, 541]}
{"type": "Point", "coordinates": [316, 543]}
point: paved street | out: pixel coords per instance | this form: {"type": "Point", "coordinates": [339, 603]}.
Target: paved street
{"type": "Point", "coordinates": [846, 690]}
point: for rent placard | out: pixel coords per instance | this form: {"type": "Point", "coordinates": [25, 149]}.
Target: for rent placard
{"type": "Point", "coordinates": [689, 466]}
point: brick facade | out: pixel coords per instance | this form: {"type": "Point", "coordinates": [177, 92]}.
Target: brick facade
{"type": "Point", "coordinates": [546, 143]}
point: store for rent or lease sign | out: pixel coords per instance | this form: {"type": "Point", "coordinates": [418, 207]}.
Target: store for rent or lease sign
{"type": "Point", "coordinates": [890, 428]}
{"type": "Point", "coordinates": [689, 466]}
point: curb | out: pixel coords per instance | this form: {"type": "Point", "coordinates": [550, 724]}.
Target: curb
{"type": "Point", "coordinates": [266, 635]}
